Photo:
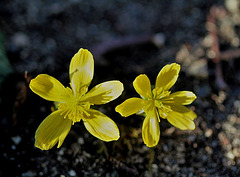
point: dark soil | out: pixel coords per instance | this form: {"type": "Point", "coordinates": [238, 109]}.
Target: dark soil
{"type": "Point", "coordinates": [42, 36]}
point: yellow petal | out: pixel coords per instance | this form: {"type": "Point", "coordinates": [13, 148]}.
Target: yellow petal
{"type": "Point", "coordinates": [167, 76]}
{"type": "Point", "coordinates": [104, 92]}
{"type": "Point", "coordinates": [131, 106]}
{"type": "Point", "coordinates": [81, 70]}
{"type": "Point", "coordinates": [53, 129]}
{"type": "Point", "coordinates": [49, 88]}
{"type": "Point", "coordinates": [101, 126]}
{"type": "Point", "coordinates": [181, 97]}
{"type": "Point", "coordinates": [181, 117]}
{"type": "Point", "coordinates": [151, 129]}
{"type": "Point", "coordinates": [142, 86]}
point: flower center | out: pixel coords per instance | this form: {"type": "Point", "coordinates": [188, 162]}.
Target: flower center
{"type": "Point", "coordinates": [74, 108]}
{"type": "Point", "coordinates": [162, 109]}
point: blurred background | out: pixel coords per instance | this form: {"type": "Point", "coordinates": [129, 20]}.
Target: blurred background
{"type": "Point", "coordinates": [127, 38]}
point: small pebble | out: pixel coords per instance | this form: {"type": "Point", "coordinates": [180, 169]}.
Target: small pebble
{"type": "Point", "coordinates": [20, 39]}
{"type": "Point", "coordinates": [81, 141]}
{"type": "Point", "coordinates": [28, 174]}
{"type": "Point", "coordinates": [208, 133]}
{"type": "Point", "coordinates": [72, 173]}
{"type": "Point", "coordinates": [16, 139]}
{"type": "Point", "coordinates": [13, 147]}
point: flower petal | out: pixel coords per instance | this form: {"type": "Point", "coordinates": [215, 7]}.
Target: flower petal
{"type": "Point", "coordinates": [101, 126]}
{"type": "Point", "coordinates": [53, 129]}
{"type": "Point", "coordinates": [104, 92]}
{"type": "Point", "coordinates": [151, 129]}
{"type": "Point", "coordinates": [181, 97]}
{"type": "Point", "coordinates": [167, 76]}
{"type": "Point", "coordinates": [142, 86]}
{"type": "Point", "coordinates": [81, 70]}
{"type": "Point", "coordinates": [49, 88]}
{"type": "Point", "coordinates": [131, 106]}
{"type": "Point", "coordinates": [181, 117]}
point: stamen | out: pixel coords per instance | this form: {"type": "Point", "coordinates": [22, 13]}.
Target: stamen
{"type": "Point", "coordinates": [66, 112]}
{"type": "Point", "coordinates": [157, 112]}
{"type": "Point", "coordinates": [164, 94]}
{"type": "Point", "coordinates": [75, 109]}
{"type": "Point", "coordinates": [163, 110]}
{"type": "Point", "coordinates": [158, 93]}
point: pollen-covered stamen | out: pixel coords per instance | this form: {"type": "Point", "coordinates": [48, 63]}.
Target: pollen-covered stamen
{"type": "Point", "coordinates": [75, 110]}
{"type": "Point", "coordinates": [163, 110]}
{"type": "Point", "coordinates": [83, 107]}
{"type": "Point", "coordinates": [159, 94]}
{"type": "Point", "coordinates": [65, 109]}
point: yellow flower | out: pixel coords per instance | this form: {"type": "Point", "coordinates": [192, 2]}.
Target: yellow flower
{"type": "Point", "coordinates": [160, 102]}
{"type": "Point", "coordinates": [75, 103]}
